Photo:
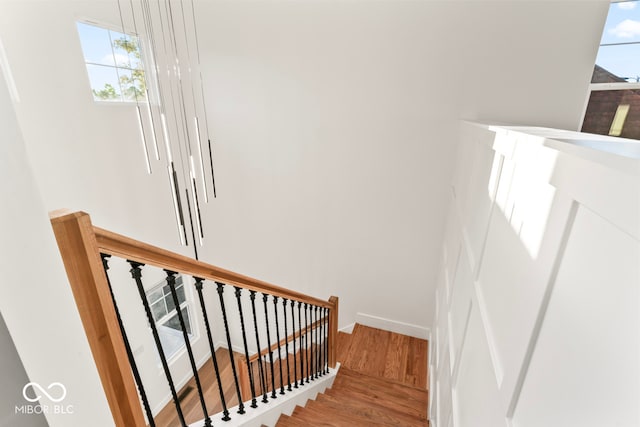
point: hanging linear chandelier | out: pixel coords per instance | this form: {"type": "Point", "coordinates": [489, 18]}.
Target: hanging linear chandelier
{"type": "Point", "coordinates": [174, 99]}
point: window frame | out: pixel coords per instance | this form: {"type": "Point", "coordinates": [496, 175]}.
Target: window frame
{"type": "Point", "coordinates": [160, 322]}
{"type": "Point", "coordinates": [122, 101]}
{"type": "Point", "coordinates": [609, 86]}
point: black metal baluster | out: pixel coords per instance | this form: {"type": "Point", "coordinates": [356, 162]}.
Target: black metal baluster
{"type": "Point", "coordinates": [317, 336]}
{"type": "Point", "coordinates": [136, 273]}
{"type": "Point", "coordinates": [171, 281]}
{"type": "Point", "coordinates": [254, 403]}
{"type": "Point", "coordinates": [311, 352]}
{"type": "Point", "coordinates": [286, 344]}
{"type": "Point", "coordinates": [263, 383]}
{"type": "Point", "coordinates": [214, 358]}
{"type": "Point", "coordinates": [306, 338]}
{"type": "Point", "coordinates": [322, 340]}
{"type": "Point", "coordinates": [326, 347]}
{"type": "Point", "coordinates": [301, 344]}
{"type": "Point", "coordinates": [266, 318]}
{"type": "Point", "coordinates": [275, 310]}
{"type": "Point", "coordinates": [127, 346]}
{"type": "Point", "coordinates": [293, 332]}
{"type": "Point", "coordinates": [231, 358]}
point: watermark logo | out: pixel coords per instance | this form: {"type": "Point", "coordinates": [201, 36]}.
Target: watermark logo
{"type": "Point", "coordinates": [33, 392]}
{"type": "Point", "coordinates": [34, 386]}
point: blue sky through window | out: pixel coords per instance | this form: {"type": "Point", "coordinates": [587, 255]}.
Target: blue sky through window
{"type": "Point", "coordinates": [109, 64]}
{"type": "Point", "coordinates": [622, 26]}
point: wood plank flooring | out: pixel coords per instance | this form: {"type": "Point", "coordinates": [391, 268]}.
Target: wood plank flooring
{"type": "Point", "coordinates": [190, 403]}
{"type": "Point", "coordinates": [382, 381]}
{"type": "Point", "coordinates": [384, 354]}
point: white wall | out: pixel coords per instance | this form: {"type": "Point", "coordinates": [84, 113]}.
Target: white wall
{"type": "Point", "coordinates": [37, 304]}
{"type": "Point", "coordinates": [335, 124]}
{"type": "Point", "coordinates": [334, 127]}
{"type": "Point", "coordinates": [537, 319]}
{"type": "Point", "coordinates": [14, 379]}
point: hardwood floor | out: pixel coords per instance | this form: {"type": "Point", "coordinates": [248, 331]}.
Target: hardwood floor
{"type": "Point", "coordinates": [189, 401]}
{"type": "Point", "coordinates": [384, 354]}
{"type": "Point", "coordinates": [382, 381]}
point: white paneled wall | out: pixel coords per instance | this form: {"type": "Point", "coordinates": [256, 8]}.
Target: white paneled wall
{"type": "Point", "coordinates": [538, 304]}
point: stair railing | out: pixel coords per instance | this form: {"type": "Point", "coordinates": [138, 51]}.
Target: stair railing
{"type": "Point", "coordinates": [305, 351]}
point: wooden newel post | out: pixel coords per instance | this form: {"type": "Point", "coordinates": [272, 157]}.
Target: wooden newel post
{"type": "Point", "coordinates": [243, 378]}
{"type": "Point", "coordinates": [333, 331]}
{"type": "Point", "coordinates": [79, 249]}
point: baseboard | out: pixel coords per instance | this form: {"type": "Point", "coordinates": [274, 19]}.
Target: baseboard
{"type": "Point", "coordinates": [393, 326]}
{"type": "Point", "coordinates": [347, 329]}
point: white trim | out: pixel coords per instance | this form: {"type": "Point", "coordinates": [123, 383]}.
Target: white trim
{"type": "Point", "coordinates": [268, 414]}
{"type": "Point", "coordinates": [347, 329]}
{"type": "Point", "coordinates": [393, 326]}
{"type": "Point", "coordinates": [594, 87]}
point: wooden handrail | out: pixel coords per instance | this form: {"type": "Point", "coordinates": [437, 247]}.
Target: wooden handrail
{"type": "Point", "coordinates": [81, 244]}
{"type": "Point", "coordinates": [81, 258]}
{"type": "Point", "coordinates": [282, 342]}
{"type": "Point", "coordinates": [115, 244]}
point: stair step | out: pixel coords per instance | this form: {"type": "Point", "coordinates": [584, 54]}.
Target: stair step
{"type": "Point", "coordinates": [388, 416]}
{"type": "Point", "coordinates": [381, 382]}
{"type": "Point", "coordinates": [288, 421]}
{"type": "Point", "coordinates": [386, 393]}
{"type": "Point", "coordinates": [320, 415]}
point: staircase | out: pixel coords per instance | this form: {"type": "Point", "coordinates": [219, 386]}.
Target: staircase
{"type": "Point", "coordinates": [382, 381]}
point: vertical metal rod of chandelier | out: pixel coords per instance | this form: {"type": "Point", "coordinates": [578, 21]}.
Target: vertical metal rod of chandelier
{"type": "Point", "coordinates": [135, 94]}
{"type": "Point", "coordinates": [171, 115]}
{"type": "Point", "coordinates": [139, 115]}
{"type": "Point", "coordinates": [202, 97]}
{"type": "Point", "coordinates": [195, 108]}
{"type": "Point", "coordinates": [172, 99]}
{"type": "Point", "coordinates": [173, 37]}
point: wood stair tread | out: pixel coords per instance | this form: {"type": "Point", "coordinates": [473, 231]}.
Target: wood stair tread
{"type": "Point", "coordinates": [391, 416]}
{"type": "Point", "coordinates": [321, 415]}
{"type": "Point", "coordinates": [381, 382]}
{"type": "Point", "coordinates": [413, 408]}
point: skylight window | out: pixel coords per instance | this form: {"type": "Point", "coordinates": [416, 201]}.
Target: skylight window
{"type": "Point", "coordinates": [114, 64]}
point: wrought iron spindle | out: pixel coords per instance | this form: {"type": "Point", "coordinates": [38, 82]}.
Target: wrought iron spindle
{"type": "Point", "coordinates": [266, 318]}
{"type": "Point", "coordinates": [171, 281]}
{"type": "Point", "coordinates": [275, 310]}
{"type": "Point", "coordinates": [312, 364]}
{"type": "Point", "coordinates": [317, 323]}
{"type": "Point", "coordinates": [136, 273]}
{"type": "Point", "coordinates": [306, 337]}
{"type": "Point", "coordinates": [214, 358]}
{"type": "Point", "coordinates": [322, 341]}
{"type": "Point", "coordinates": [231, 358]}
{"type": "Point", "coordinates": [238, 294]}
{"type": "Point", "coordinates": [286, 343]}
{"type": "Point", "coordinates": [301, 344]}
{"type": "Point", "coordinates": [263, 382]}
{"type": "Point", "coordinates": [326, 347]}
{"type": "Point", "coordinates": [127, 346]}
{"type": "Point", "coordinates": [293, 332]}
{"type": "Point", "coordinates": [314, 336]}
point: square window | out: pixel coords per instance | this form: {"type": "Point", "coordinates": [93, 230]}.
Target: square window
{"type": "Point", "coordinates": [114, 64]}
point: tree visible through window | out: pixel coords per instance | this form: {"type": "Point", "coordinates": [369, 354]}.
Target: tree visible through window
{"type": "Point", "coordinates": [114, 64]}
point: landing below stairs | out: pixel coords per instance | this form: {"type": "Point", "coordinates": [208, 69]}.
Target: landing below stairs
{"type": "Point", "coordinates": [382, 381]}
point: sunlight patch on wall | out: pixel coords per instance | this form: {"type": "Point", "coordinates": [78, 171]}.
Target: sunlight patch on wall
{"type": "Point", "coordinates": [524, 195]}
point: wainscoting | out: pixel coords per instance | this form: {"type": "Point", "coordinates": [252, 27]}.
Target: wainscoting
{"type": "Point", "coordinates": [537, 318]}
